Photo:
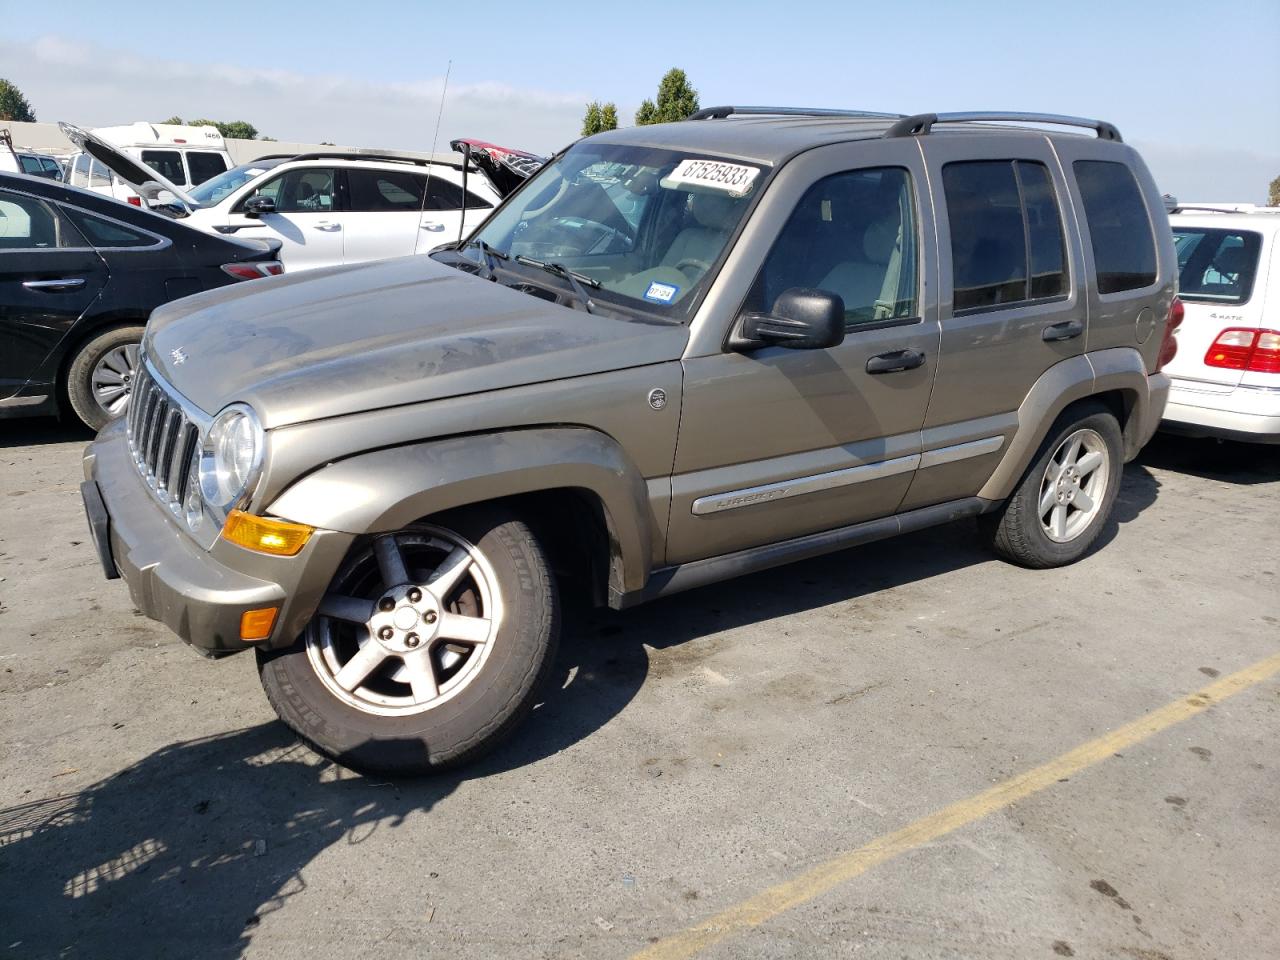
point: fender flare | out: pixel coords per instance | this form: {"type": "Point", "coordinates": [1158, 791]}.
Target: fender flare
{"type": "Point", "coordinates": [1117, 369]}
{"type": "Point", "coordinates": [388, 489]}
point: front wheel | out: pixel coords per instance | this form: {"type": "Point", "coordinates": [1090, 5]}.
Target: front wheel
{"type": "Point", "coordinates": [427, 649]}
{"type": "Point", "coordinates": [1065, 498]}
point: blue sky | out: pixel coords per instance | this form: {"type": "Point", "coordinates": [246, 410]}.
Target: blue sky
{"type": "Point", "coordinates": [1194, 85]}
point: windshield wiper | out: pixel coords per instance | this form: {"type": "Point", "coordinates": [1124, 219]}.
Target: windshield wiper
{"type": "Point", "coordinates": [578, 281]}
{"type": "Point", "coordinates": [489, 254]}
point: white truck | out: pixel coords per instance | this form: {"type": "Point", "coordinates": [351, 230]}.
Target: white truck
{"type": "Point", "coordinates": [183, 155]}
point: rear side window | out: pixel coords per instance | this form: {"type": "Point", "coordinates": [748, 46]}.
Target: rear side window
{"type": "Point", "coordinates": [383, 191]}
{"type": "Point", "coordinates": [1216, 266]}
{"type": "Point", "coordinates": [167, 163]}
{"type": "Point", "coordinates": [204, 166]}
{"type": "Point", "coordinates": [1006, 234]}
{"type": "Point", "coordinates": [1124, 249]}
{"type": "Point", "coordinates": [30, 224]}
{"type": "Point", "coordinates": [109, 233]}
{"type": "Point", "coordinates": [30, 165]}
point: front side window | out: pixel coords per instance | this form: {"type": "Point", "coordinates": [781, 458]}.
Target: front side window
{"type": "Point", "coordinates": [1124, 249]}
{"type": "Point", "coordinates": [31, 165]}
{"type": "Point", "coordinates": [27, 223]}
{"type": "Point", "coordinates": [1216, 266]}
{"type": "Point", "coordinates": [646, 225]}
{"type": "Point", "coordinates": [302, 190]}
{"type": "Point", "coordinates": [80, 170]}
{"type": "Point", "coordinates": [167, 163]}
{"type": "Point", "coordinates": [218, 188]}
{"type": "Point", "coordinates": [853, 234]}
{"type": "Point", "coordinates": [1006, 234]}
{"type": "Point", "coordinates": [204, 165]}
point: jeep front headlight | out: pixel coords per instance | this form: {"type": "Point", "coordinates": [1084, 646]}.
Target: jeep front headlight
{"type": "Point", "coordinates": [231, 457]}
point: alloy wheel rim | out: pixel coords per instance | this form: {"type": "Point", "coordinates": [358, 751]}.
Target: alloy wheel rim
{"type": "Point", "coordinates": [112, 378]}
{"type": "Point", "coordinates": [1074, 485]}
{"type": "Point", "coordinates": [407, 624]}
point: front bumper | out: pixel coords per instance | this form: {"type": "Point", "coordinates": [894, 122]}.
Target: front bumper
{"type": "Point", "coordinates": [200, 595]}
{"type": "Point", "coordinates": [1248, 413]}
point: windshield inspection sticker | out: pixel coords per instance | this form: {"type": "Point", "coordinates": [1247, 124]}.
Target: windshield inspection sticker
{"type": "Point", "coordinates": [661, 292]}
{"type": "Point", "coordinates": [731, 178]}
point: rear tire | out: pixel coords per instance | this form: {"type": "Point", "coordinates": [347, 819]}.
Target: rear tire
{"type": "Point", "coordinates": [1065, 498]}
{"type": "Point", "coordinates": [100, 378]}
{"type": "Point", "coordinates": [393, 697]}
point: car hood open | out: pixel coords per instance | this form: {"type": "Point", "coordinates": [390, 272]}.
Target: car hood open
{"type": "Point", "coordinates": [147, 182]}
{"type": "Point", "coordinates": [363, 337]}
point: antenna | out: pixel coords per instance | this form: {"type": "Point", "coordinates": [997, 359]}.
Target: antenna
{"type": "Point", "coordinates": [435, 138]}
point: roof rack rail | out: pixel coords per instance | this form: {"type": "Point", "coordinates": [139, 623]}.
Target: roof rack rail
{"type": "Point", "coordinates": [719, 113]}
{"type": "Point", "coordinates": [922, 123]}
{"type": "Point", "coordinates": [396, 158]}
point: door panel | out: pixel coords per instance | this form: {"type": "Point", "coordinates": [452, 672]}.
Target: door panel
{"type": "Point", "coordinates": [44, 288]}
{"type": "Point", "coordinates": [308, 220]}
{"type": "Point", "coordinates": [777, 443]}
{"type": "Point", "coordinates": [1003, 324]}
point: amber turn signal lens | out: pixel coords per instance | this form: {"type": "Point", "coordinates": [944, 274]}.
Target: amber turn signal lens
{"type": "Point", "coordinates": [277, 537]}
{"type": "Point", "coordinates": [257, 624]}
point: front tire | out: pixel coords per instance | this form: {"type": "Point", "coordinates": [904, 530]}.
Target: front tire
{"type": "Point", "coordinates": [1064, 500]}
{"type": "Point", "coordinates": [428, 649]}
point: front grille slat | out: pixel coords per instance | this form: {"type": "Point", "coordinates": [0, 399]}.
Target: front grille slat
{"type": "Point", "coordinates": [162, 437]}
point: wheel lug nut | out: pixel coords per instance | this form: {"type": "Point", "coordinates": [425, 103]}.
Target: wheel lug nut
{"type": "Point", "coordinates": [385, 604]}
{"type": "Point", "coordinates": [429, 616]}
{"type": "Point", "coordinates": [412, 640]}
{"type": "Point", "coordinates": [386, 633]}
{"type": "Point", "coordinates": [415, 595]}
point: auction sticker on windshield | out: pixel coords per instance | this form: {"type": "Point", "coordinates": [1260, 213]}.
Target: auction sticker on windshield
{"type": "Point", "coordinates": [731, 178]}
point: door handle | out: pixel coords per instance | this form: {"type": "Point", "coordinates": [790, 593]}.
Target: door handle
{"type": "Point", "coordinates": [895, 361]}
{"type": "Point", "coordinates": [1066, 330]}
{"type": "Point", "coordinates": [55, 286]}
{"type": "Point", "coordinates": [432, 225]}
{"type": "Point", "coordinates": [328, 227]}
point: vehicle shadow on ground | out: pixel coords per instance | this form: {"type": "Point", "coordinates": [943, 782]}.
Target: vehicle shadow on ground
{"type": "Point", "coordinates": [184, 852]}
{"type": "Point", "coordinates": [37, 430]}
{"type": "Point", "coordinates": [1227, 461]}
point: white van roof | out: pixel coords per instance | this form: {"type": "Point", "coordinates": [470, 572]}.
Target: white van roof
{"type": "Point", "coordinates": [143, 134]}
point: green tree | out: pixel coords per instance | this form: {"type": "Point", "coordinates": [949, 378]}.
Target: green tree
{"type": "Point", "coordinates": [1273, 195]}
{"type": "Point", "coordinates": [233, 129]}
{"type": "Point", "coordinates": [599, 117]}
{"type": "Point", "coordinates": [13, 105]}
{"type": "Point", "coordinates": [676, 100]}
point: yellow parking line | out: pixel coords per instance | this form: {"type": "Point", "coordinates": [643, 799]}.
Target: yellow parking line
{"type": "Point", "coordinates": [825, 877]}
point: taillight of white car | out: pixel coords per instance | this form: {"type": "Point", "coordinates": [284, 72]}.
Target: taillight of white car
{"type": "Point", "coordinates": [255, 270]}
{"type": "Point", "coordinates": [1243, 348]}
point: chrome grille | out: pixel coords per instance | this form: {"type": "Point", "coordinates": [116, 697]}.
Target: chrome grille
{"type": "Point", "coordinates": [162, 438]}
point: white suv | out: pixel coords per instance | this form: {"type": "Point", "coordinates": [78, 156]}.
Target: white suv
{"type": "Point", "coordinates": [325, 208]}
{"type": "Point", "coordinates": [336, 208]}
{"type": "Point", "coordinates": [1226, 375]}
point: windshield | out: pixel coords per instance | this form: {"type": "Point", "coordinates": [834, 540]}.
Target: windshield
{"type": "Point", "coordinates": [223, 185]}
{"type": "Point", "coordinates": [644, 227]}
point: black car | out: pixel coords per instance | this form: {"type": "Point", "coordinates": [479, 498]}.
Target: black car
{"type": "Point", "coordinates": [79, 276]}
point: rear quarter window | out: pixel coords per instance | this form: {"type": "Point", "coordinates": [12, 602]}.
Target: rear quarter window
{"type": "Point", "coordinates": [1124, 248]}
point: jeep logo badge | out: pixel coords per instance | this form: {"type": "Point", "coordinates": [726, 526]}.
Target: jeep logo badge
{"type": "Point", "coordinates": [179, 356]}
{"type": "Point", "coordinates": [657, 398]}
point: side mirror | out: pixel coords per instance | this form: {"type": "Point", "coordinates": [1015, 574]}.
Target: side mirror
{"type": "Point", "coordinates": [257, 206]}
{"type": "Point", "coordinates": [802, 319]}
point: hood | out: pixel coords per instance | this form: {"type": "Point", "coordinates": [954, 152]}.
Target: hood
{"type": "Point", "coordinates": [506, 168]}
{"type": "Point", "coordinates": [147, 182]}
{"type": "Point", "coordinates": [372, 335]}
